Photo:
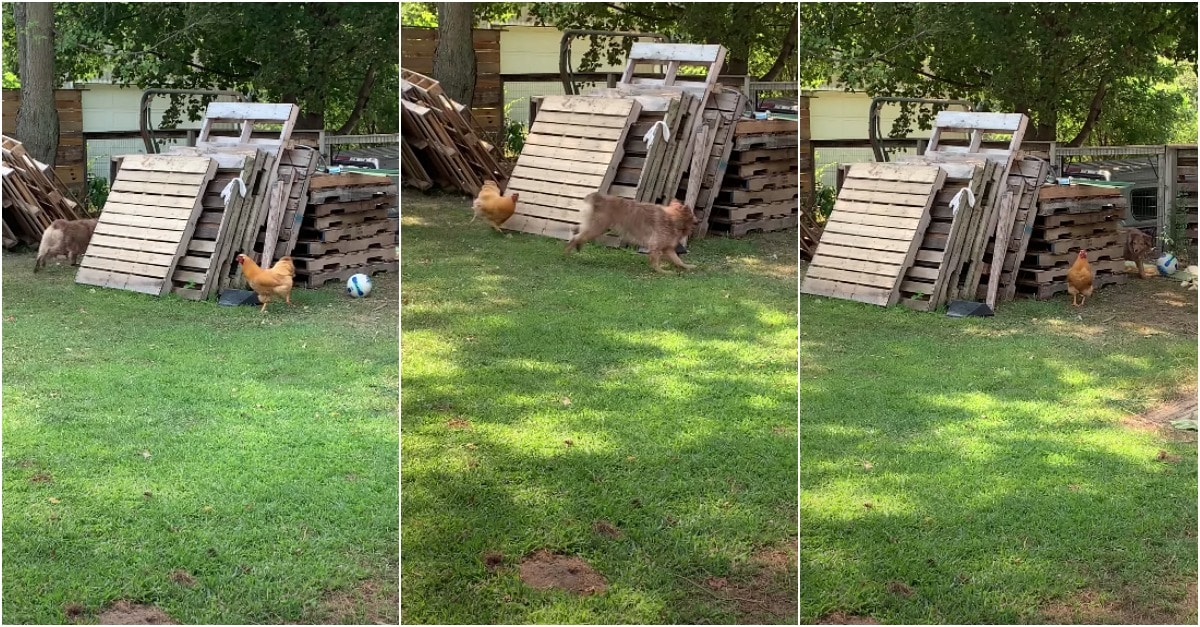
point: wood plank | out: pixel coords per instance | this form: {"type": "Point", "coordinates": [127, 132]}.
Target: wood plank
{"type": "Point", "coordinates": [694, 53]}
{"type": "Point", "coordinates": [987, 121]}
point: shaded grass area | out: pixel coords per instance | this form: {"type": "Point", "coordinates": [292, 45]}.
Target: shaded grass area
{"type": "Point", "coordinates": [223, 465]}
{"type": "Point", "coordinates": [978, 471]}
{"type": "Point", "coordinates": [548, 400]}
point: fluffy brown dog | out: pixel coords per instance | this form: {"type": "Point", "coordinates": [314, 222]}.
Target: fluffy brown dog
{"type": "Point", "coordinates": [65, 237]}
{"type": "Point", "coordinates": [1137, 245]}
{"type": "Point", "coordinates": [658, 228]}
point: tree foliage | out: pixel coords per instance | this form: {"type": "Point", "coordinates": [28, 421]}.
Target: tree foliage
{"type": "Point", "coordinates": [760, 36]}
{"type": "Point", "coordinates": [335, 60]}
{"type": "Point", "coordinates": [1072, 67]}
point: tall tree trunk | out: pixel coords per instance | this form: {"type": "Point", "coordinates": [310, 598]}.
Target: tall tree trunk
{"type": "Point", "coordinates": [37, 119]}
{"type": "Point", "coordinates": [454, 58]}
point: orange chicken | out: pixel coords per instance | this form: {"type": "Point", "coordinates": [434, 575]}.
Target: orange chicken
{"type": "Point", "coordinates": [495, 208]}
{"type": "Point", "coordinates": [1080, 278]}
{"type": "Point", "coordinates": [269, 283]}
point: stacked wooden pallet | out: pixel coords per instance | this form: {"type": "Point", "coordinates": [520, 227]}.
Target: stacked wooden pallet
{"type": "Point", "coordinates": [33, 196]}
{"type": "Point", "coordinates": [346, 230]}
{"type": "Point", "coordinates": [1185, 185]}
{"type": "Point", "coordinates": [640, 140]}
{"type": "Point", "coordinates": [807, 162]}
{"type": "Point", "coordinates": [1070, 218]}
{"type": "Point", "coordinates": [439, 140]}
{"type": "Point", "coordinates": [761, 187]}
{"type": "Point", "coordinates": [175, 222]}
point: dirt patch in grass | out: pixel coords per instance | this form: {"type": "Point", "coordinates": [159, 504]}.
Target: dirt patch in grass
{"type": "Point", "coordinates": [41, 477]}
{"type": "Point", "coordinates": [1158, 418]}
{"type": "Point", "coordinates": [370, 602]}
{"type": "Point", "coordinates": [73, 611]}
{"type": "Point", "coordinates": [126, 613]}
{"type": "Point", "coordinates": [458, 423]}
{"type": "Point", "coordinates": [543, 570]}
{"type": "Point", "coordinates": [605, 528]}
{"type": "Point", "coordinates": [764, 588]}
{"type": "Point", "coordinates": [1146, 307]}
{"type": "Point", "coordinates": [842, 618]}
{"type": "Point", "coordinates": [183, 578]}
{"type": "Point", "coordinates": [774, 255]}
{"type": "Point", "coordinates": [493, 560]}
{"type": "Point", "coordinates": [1094, 607]}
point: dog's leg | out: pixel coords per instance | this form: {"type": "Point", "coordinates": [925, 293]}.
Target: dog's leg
{"type": "Point", "coordinates": [674, 257]}
{"type": "Point", "coordinates": [656, 260]}
{"type": "Point", "coordinates": [591, 232]}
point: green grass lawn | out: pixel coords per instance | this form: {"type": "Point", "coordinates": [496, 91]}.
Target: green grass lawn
{"type": "Point", "coordinates": [543, 394]}
{"type": "Point", "coordinates": [984, 471]}
{"type": "Point", "coordinates": [226, 466]}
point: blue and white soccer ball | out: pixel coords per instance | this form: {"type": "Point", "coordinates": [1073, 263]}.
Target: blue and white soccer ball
{"type": "Point", "coordinates": [1167, 264]}
{"type": "Point", "coordinates": [358, 286]}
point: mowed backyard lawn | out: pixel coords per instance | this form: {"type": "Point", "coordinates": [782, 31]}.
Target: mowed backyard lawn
{"type": "Point", "coordinates": [1016, 469]}
{"type": "Point", "coordinates": [218, 464]}
{"type": "Point", "coordinates": [586, 406]}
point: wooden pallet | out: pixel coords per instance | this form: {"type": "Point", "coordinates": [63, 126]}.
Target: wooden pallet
{"type": "Point", "coordinates": [384, 238]}
{"type": "Point", "coordinates": [728, 104]}
{"type": "Point", "coordinates": [874, 232]}
{"type": "Point", "coordinates": [352, 231]}
{"type": "Point", "coordinates": [326, 263]}
{"type": "Point", "coordinates": [440, 140]}
{"type": "Point", "coordinates": [925, 285]}
{"type": "Point", "coordinates": [737, 214]}
{"type": "Point", "coordinates": [564, 161]}
{"type": "Point", "coordinates": [342, 275]}
{"type": "Point", "coordinates": [759, 225]}
{"type": "Point", "coordinates": [1043, 291]}
{"type": "Point", "coordinates": [211, 245]}
{"type": "Point", "coordinates": [147, 222]}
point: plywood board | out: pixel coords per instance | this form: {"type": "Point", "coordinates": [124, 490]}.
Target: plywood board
{"type": "Point", "coordinates": [130, 253]}
{"type": "Point", "coordinates": [867, 261]}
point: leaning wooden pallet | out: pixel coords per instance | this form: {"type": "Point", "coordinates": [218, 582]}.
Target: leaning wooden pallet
{"type": "Point", "coordinates": [196, 274]}
{"type": "Point", "coordinates": [874, 232]}
{"type": "Point", "coordinates": [146, 223]}
{"type": "Point", "coordinates": [728, 105]}
{"type": "Point", "coordinates": [673, 57]}
{"type": "Point", "coordinates": [565, 160]}
{"type": "Point", "coordinates": [925, 284]}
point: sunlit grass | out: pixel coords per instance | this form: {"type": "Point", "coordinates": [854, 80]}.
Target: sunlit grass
{"type": "Point", "coordinates": [982, 464]}
{"type": "Point", "coordinates": [595, 390]}
{"type": "Point", "coordinates": [257, 452]}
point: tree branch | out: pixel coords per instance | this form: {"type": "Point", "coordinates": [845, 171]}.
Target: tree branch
{"type": "Point", "coordinates": [789, 46]}
{"type": "Point", "coordinates": [1093, 115]}
{"type": "Point", "coordinates": [360, 105]}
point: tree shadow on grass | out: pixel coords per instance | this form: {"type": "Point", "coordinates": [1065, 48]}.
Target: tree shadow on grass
{"type": "Point", "coordinates": [985, 490]}
{"type": "Point", "coordinates": [595, 390]}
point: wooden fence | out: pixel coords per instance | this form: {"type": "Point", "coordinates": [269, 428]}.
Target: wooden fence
{"type": "Point", "coordinates": [416, 54]}
{"type": "Point", "coordinates": [71, 160]}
